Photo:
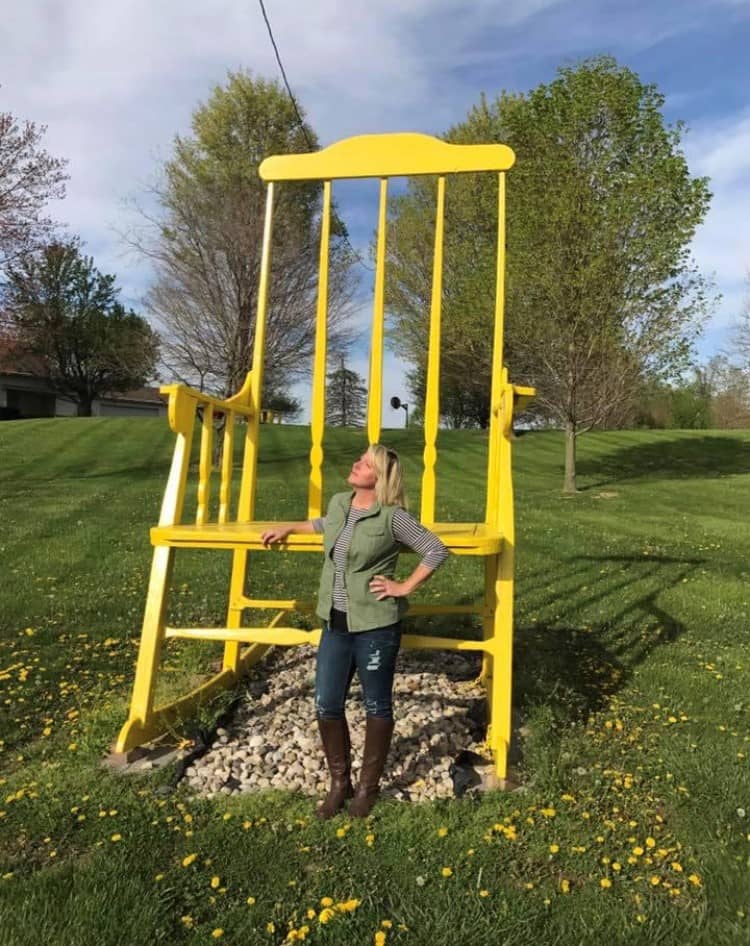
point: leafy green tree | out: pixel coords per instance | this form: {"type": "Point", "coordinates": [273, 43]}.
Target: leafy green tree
{"type": "Point", "coordinates": [66, 311]}
{"type": "Point", "coordinates": [346, 397]}
{"type": "Point", "coordinates": [204, 241]}
{"type": "Point", "coordinates": [601, 290]}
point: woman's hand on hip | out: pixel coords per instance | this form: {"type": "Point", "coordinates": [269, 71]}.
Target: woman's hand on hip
{"type": "Point", "coordinates": [383, 587]}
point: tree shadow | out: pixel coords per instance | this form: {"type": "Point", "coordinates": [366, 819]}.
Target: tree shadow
{"type": "Point", "coordinates": [682, 458]}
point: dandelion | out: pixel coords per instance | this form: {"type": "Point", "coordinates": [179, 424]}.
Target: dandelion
{"type": "Point", "coordinates": [311, 914]}
{"type": "Point", "coordinates": [605, 883]}
{"type": "Point", "coordinates": [348, 906]}
{"type": "Point", "coordinates": [442, 832]}
{"type": "Point", "coordinates": [217, 933]}
{"type": "Point", "coordinates": [446, 872]}
{"type": "Point", "coordinates": [638, 850]}
{"type": "Point", "coordinates": [654, 880]}
{"type": "Point", "coordinates": [386, 924]}
{"type": "Point", "coordinates": [380, 938]}
{"type": "Point", "coordinates": [159, 877]}
{"type": "Point", "coordinates": [187, 861]}
{"type": "Point", "coordinates": [116, 837]}
{"type": "Point", "coordinates": [326, 914]}
{"type": "Point", "coordinates": [676, 867]}
{"type": "Point", "coordinates": [565, 886]}
{"type": "Point", "coordinates": [484, 893]}
{"type": "Point", "coordinates": [215, 881]}
{"type": "Point", "coordinates": [326, 902]}
{"type": "Point", "coordinates": [341, 832]}
{"type": "Point", "coordinates": [270, 927]}
{"type": "Point", "coordinates": [695, 880]}
{"type": "Point", "coordinates": [187, 921]}
{"type": "Point", "coordinates": [251, 901]}
{"type": "Point", "coordinates": [548, 812]}
{"type": "Point", "coordinates": [554, 848]}
{"type": "Point", "coordinates": [650, 842]}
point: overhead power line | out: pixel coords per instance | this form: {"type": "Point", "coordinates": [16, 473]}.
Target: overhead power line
{"type": "Point", "coordinates": [302, 125]}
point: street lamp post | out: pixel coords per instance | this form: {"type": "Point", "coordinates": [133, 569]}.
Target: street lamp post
{"type": "Point", "coordinates": [396, 403]}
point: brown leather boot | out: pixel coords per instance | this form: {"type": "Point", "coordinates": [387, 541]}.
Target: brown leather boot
{"type": "Point", "coordinates": [334, 734]}
{"type": "Point", "coordinates": [378, 734]}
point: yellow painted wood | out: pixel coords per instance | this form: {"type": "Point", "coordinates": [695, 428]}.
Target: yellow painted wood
{"type": "Point", "coordinates": [432, 392]}
{"type": "Point", "coordinates": [204, 465]}
{"type": "Point", "coordinates": [246, 503]}
{"type": "Point", "coordinates": [468, 537]}
{"type": "Point", "coordinates": [389, 155]}
{"type": "Point", "coordinates": [318, 403]}
{"type": "Point", "coordinates": [375, 399]}
{"type": "Point", "coordinates": [227, 467]}
{"type": "Point", "coordinates": [379, 157]}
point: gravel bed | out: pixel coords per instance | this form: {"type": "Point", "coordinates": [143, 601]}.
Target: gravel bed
{"type": "Point", "coordinates": [273, 742]}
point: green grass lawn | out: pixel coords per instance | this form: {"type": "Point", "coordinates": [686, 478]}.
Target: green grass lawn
{"type": "Point", "coordinates": [631, 674]}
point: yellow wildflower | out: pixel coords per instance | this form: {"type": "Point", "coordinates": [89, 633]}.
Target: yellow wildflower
{"type": "Point", "coordinates": [215, 881]}
{"type": "Point", "coordinates": [548, 812]}
{"type": "Point", "coordinates": [484, 893]}
{"type": "Point", "coordinates": [380, 938]}
{"type": "Point", "coordinates": [187, 861]}
{"type": "Point", "coordinates": [676, 866]}
{"type": "Point", "coordinates": [650, 842]}
{"type": "Point", "coordinates": [605, 882]}
{"type": "Point", "coordinates": [654, 880]}
{"type": "Point", "coordinates": [442, 832]}
{"type": "Point", "coordinates": [326, 902]}
{"type": "Point", "coordinates": [695, 880]}
{"type": "Point", "coordinates": [638, 850]}
{"type": "Point", "coordinates": [187, 921]}
{"type": "Point", "coordinates": [565, 886]}
{"type": "Point", "coordinates": [326, 914]}
{"type": "Point", "coordinates": [251, 900]}
{"type": "Point", "coordinates": [386, 924]}
{"type": "Point", "coordinates": [270, 927]}
{"type": "Point", "coordinates": [116, 837]}
{"type": "Point", "coordinates": [446, 872]}
{"type": "Point", "coordinates": [554, 848]}
{"type": "Point", "coordinates": [217, 933]}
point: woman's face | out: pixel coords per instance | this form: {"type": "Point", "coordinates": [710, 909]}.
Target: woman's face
{"type": "Point", "coordinates": [363, 472]}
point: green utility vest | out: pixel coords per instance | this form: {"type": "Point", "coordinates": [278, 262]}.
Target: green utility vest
{"type": "Point", "coordinates": [373, 551]}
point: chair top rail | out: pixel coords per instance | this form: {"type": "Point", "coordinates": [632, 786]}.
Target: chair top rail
{"type": "Point", "coordinates": [401, 154]}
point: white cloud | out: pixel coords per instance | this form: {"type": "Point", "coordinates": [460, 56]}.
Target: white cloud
{"type": "Point", "coordinates": [115, 82]}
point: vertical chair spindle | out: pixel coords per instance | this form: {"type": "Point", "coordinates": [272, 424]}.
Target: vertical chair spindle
{"type": "Point", "coordinates": [375, 399]}
{"type": "Point", "coordinates": [432, 393]}
{"type": "Point", "coordinates": [318, 406]}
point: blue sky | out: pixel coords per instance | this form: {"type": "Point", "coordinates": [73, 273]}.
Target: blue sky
{"type": "Point", "coordinates": [115, 82]}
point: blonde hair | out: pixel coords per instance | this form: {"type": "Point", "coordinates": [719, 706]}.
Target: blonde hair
{"type": "Point", "coordinates": [389, 488]}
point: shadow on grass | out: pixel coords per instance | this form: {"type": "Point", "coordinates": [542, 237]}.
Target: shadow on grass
{"type": "Point", "coordinates": [681, 458]}
{"type": "Point", "coordinates": [575, 670]}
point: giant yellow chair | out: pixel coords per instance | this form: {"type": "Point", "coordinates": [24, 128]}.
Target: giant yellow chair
{"type": "Point", "coordinates": [235, 528]}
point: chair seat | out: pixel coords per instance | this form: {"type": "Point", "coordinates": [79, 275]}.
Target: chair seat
{"type": "Point", "coordinates": [462, 538]}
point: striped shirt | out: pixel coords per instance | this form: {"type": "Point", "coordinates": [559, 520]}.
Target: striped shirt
{"type": "Point", "coordinates": [406, 530]}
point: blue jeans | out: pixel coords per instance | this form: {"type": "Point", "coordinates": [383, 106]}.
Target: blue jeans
{"type": "Point", "coordinates": [372, 654]}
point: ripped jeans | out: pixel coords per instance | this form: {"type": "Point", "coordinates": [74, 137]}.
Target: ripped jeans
{"type": "Point", "coordinates": [371, 653]}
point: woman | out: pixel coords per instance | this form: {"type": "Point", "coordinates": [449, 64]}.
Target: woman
{"type": "Point", "coordinates": [361, 604]}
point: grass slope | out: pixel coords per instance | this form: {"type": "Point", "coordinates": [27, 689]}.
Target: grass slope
{"type": "Point", "coordinates": [631, 673]}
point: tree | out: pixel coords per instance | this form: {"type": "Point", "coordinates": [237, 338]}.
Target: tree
{"type": "Point", "coordinates": [601, 290]}
{"type": "Point", "coordinates": [29, 179]}
{"type": "Point", "coordinates": [739, 338]}
{"type": "Point", "coordinates": [66, 311]}
{"type": "Point", "coordinates": [204, 240]}
{"type": "Point", "coordinates": [346, 397]}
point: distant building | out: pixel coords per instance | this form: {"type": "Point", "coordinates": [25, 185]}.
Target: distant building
{"type": "Point", "coordinates": [26, 392]}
